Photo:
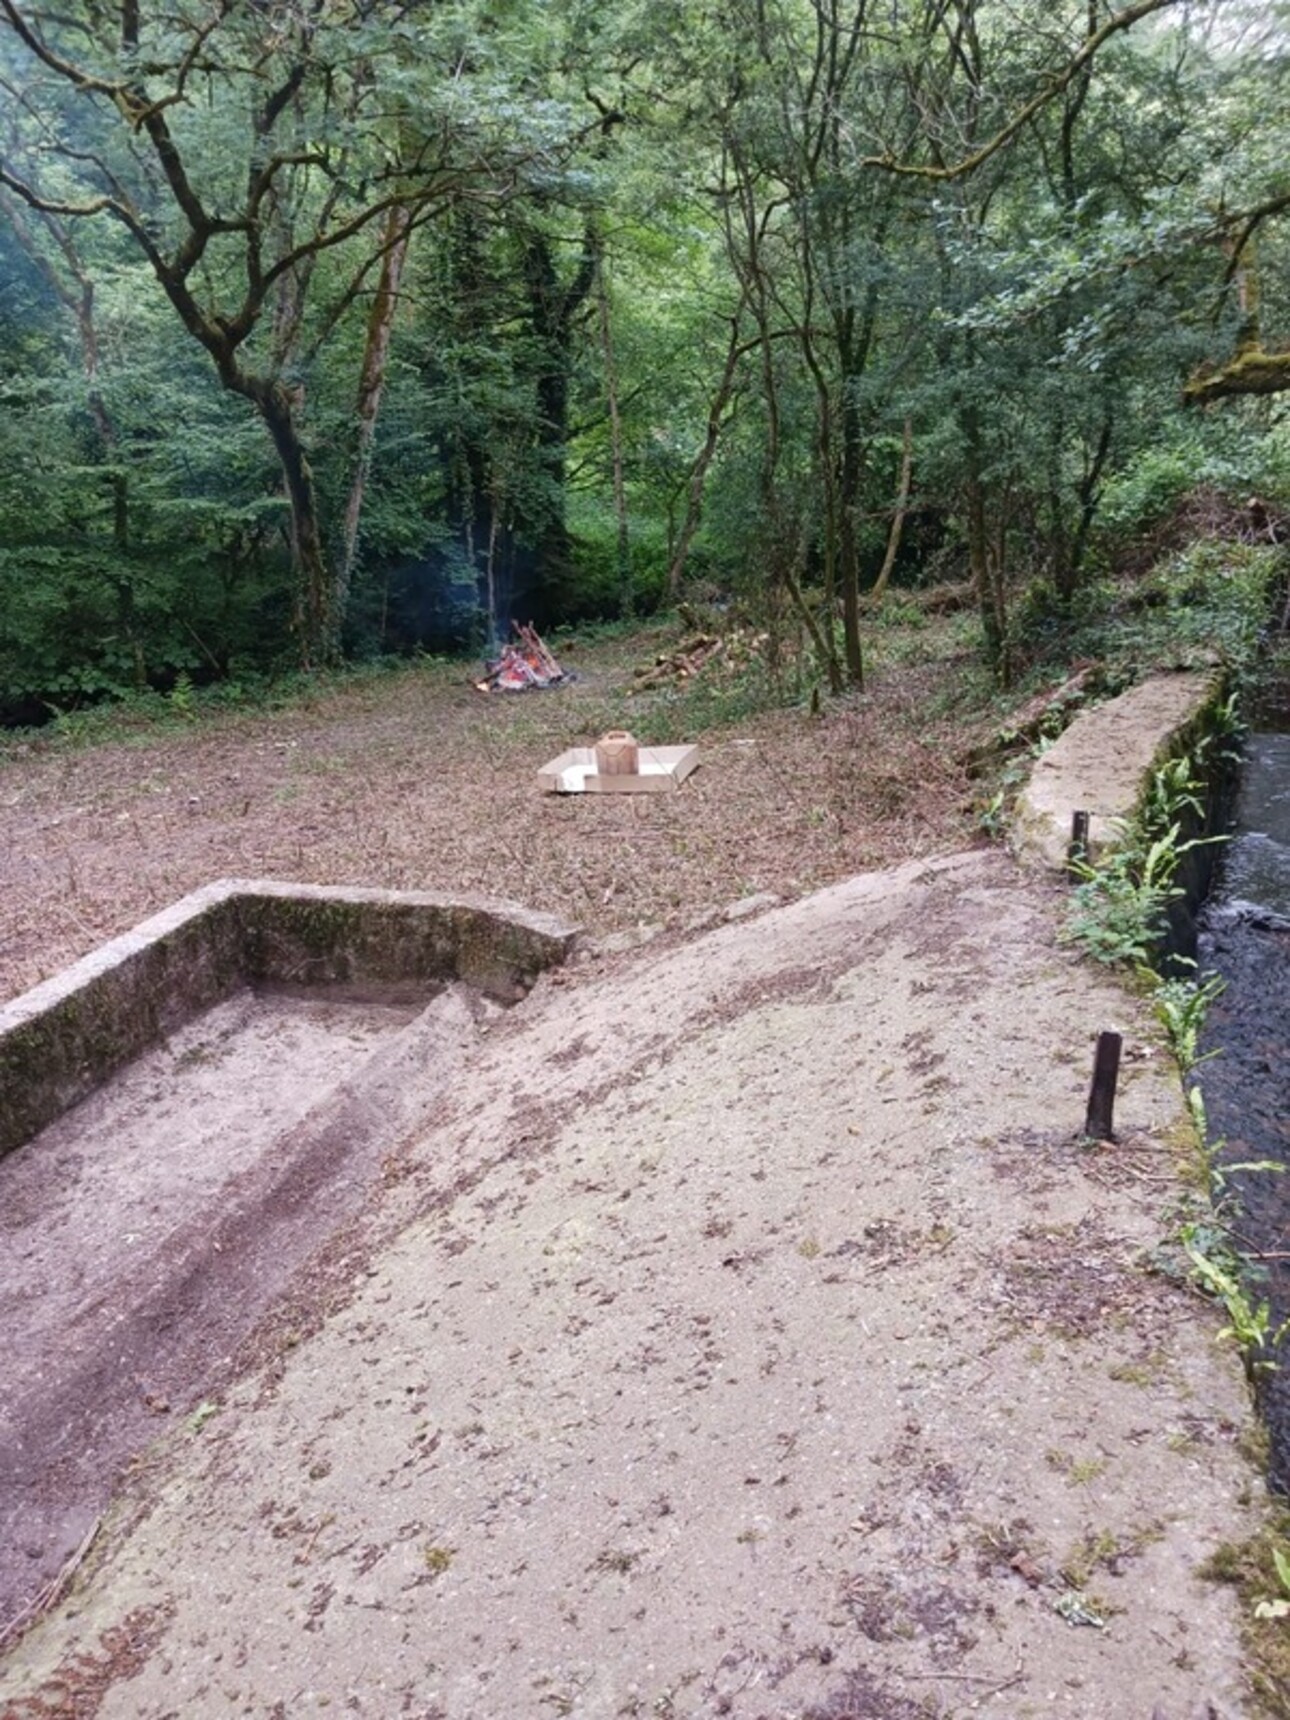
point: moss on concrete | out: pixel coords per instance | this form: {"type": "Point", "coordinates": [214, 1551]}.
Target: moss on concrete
{"type": "Point", "coordinates": [1104, 761]}
{"type": "Point", "coordinates": [64, 1039]}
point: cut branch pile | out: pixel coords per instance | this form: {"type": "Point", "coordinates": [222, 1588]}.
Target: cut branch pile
{"type": "Point", "coordinates": [678, 665]}
{"type": "Point", "coordinates": [732, 651]}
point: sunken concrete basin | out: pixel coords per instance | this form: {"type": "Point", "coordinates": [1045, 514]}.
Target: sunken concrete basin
{"type": "Point", "coordinates": [196, 1124]}
{"type": "Point", "coordinates": [64, 1039]}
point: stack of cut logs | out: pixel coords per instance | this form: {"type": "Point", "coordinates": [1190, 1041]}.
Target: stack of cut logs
{"type": "Point", "coordinates": [678, 665]}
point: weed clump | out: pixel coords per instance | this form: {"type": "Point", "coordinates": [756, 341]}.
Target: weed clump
{"type": "Point", "coordinates": [1258, 1569]}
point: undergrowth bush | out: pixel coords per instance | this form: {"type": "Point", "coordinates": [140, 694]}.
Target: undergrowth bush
{"type": "Point", "coordinates": [1214, 600]}
{"type": "Point", "coordinates": [1210, 602]}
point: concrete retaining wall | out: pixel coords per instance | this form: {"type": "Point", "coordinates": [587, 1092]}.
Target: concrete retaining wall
{"type": "Point", "coordinates": [1101, 764]}
{"type": "Point", "coordinates": [61, 1040]}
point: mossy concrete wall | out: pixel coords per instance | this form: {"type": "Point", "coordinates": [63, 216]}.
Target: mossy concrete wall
{"type": "Point", "coordinates": [64, 1038]}
{"type": "Point", "coordinates": [1102, 763]}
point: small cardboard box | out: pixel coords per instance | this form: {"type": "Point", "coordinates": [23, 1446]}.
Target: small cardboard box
{"type": "Point", "coordinates": [617, 754]}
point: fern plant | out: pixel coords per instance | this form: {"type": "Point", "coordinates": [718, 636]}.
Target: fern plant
{"type": "Point", "coordinates": [1181, 1006]}
{"type": "Point", "coordinates": [1119, 909]}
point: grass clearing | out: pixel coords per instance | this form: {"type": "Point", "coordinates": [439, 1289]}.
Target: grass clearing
{"type": "Point", "coordinates": [409, 778]}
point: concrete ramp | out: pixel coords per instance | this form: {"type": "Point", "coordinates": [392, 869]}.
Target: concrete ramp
{"type": "Point", "coordinates": [742, 1331]}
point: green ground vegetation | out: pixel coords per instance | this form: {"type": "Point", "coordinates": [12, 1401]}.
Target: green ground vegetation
{"type": "Point", "coordinates": [332, 334]}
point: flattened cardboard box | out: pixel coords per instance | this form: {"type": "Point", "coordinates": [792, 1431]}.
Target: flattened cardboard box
{"type": "Point", "coordinates": [659, 770]}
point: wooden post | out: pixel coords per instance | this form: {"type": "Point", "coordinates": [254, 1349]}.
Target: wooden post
{"type": "Point", "coordinates": [1101, 1096]}
{"type": "Point", "coordinates": [1078, 850]}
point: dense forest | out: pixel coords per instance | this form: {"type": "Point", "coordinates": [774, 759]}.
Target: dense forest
{"type": "Point", "coordinates": [331, 328]}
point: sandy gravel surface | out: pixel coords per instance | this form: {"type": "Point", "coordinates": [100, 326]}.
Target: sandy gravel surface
{"type": "Point", "coordinates": [746, 1332]}
{"type": "Point", "coordinates": [147, 1229]}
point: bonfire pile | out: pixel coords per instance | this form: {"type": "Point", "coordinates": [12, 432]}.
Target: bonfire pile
{"type": "Point", "coordinates": [733, 650]}
{"type": "Point", "coordinates": [523, 664]}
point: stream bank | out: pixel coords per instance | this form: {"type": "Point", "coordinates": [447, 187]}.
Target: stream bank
{"type": "Point", "coordinates": [1245, 939]}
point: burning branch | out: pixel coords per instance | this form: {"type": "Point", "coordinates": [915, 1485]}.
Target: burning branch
{"type": "Point", "coordinates": [523, 665]}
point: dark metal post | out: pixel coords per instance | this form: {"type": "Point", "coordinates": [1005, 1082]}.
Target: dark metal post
{"type": "Point", "coordinates": [1078, 850]}
{"type": "Point", "coordinates": [1101, 1097]}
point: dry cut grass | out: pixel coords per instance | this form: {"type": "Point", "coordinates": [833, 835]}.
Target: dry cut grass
{"type": "Point", "coordinates": [414, 780]}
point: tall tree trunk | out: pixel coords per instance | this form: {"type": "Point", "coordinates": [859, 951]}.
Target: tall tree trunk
{"type": "Point", "coordinates": [371, 386]}
{"type": "Point", "coordinates": [721, 398]}
{"type": "Point", "coordinates": [849, 555]}
{"type": "Point", "coordinates": [1090, 489]}
{"type": "Point", "coordinates": [473, 473]}
{"type": "Point", "coordinates": [828, 468]}
{"type": "Point", "coordinates": [623, 548]}
{"type": "Point", "coordinates": [896, 530]}
{"type": "Point", "coordinates": [318, 625]}
{"type": "Point", "coordinates": [986, 556]}
{"type": "Point", "coordinates": [552, 310]}
{"type": "Point", "coordinates": [855, 334]}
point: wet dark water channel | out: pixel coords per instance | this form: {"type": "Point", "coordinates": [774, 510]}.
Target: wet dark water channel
{"type": "Point", "coordinates": [1245, 938]}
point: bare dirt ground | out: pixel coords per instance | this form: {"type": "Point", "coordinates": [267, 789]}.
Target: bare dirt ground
{"type": "Point", "coordinates": [736, 1327]}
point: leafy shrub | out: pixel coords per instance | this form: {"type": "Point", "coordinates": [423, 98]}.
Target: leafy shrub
{"type": "Point", "coordinates": [1215, 596]}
